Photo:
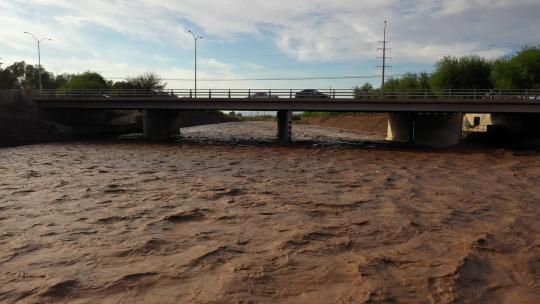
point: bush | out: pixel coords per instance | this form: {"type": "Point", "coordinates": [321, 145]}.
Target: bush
{"type": "Point", "coordinates": [86, 81]}
{"type": "Point", "coordinates": [147, 81]}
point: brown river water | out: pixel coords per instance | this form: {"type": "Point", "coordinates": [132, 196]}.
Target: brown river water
{"type": "Point", "coordinates": [206, 221]}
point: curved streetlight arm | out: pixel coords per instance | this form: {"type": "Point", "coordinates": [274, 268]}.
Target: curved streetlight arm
{"type": "Point", "coordinates": [194, 36]}
{"type": "Point", "coordinates": [32, 36]}
{"type": "Point", "coordinates": [38, 40]}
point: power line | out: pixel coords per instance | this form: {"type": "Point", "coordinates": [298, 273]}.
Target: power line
{"type": "Point", "coordinates": [269, 79]}
{"type": "Point", "coordinates": [471, 51]}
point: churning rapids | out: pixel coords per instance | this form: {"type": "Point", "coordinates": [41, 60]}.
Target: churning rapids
{"type": "Point", "coordinates": [191, 222]}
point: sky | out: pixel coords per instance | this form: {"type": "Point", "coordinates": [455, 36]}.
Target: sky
{"type": "Point", "coordinates": [247, 39]}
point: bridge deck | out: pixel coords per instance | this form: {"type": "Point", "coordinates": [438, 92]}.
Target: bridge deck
{"type": "Point", "coordinates": [469, 101]}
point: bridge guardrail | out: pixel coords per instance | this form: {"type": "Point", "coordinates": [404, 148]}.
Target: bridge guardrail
{"type": "Point", "coordinates": [341, 94]}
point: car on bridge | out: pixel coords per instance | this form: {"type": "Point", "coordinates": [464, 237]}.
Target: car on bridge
{"type": "Point", "coordinates": [262, 95]}
{"type": "Point", "coordinates": [530, 98]}
{"type": "Point", "coordinates": [310, 94]}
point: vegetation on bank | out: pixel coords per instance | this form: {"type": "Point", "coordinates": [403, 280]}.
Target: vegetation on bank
{"type": "Point", "coordinates": [521, 71]}
{"type": "Point", "coordinates": [21, 75]}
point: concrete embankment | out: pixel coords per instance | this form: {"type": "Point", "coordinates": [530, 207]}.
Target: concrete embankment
{"type": "Point", "coordinates": [20, 122]}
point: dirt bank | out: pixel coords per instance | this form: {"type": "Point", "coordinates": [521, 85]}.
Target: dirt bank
{"type": "Point", "coordinates": [376, 123]}
{"type": "Point", "coordinates": [118, 222]}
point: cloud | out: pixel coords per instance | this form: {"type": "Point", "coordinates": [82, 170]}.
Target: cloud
{"type": "Point", "coordinates": [104, 32]}
{"type": "Point", "coordinates": [157, 57]}
{"type": "Point", "coordinates": [254, 66]}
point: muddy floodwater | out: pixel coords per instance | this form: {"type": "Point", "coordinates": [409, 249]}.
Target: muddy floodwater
{"type": "Point", "coordinates": [202, 222]}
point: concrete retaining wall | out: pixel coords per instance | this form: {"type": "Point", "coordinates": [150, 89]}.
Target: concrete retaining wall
{"type": "Point", "coordinates": [20, 122]}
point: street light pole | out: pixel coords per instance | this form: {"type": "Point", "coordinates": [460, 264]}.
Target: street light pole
{"type": "Point", "coordinates": [39, 56]}
{"type": "Point", "coordinates": [195, 38]}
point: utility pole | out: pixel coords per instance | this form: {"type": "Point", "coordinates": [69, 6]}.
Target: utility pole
{"type": "Point", "coordinates": [384, 42]}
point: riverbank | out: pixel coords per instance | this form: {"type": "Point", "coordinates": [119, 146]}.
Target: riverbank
{"type": "Point", "coordinates": [20, 122]}
{"type": "Point", "coordinates": [113, 222]}
{"type": "Point", "coordinates": [364, 122]}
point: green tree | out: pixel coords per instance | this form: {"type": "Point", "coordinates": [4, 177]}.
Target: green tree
{"type": "Point", "coordinates": [392, 84]}
{"type": "Point", "coordinates": [16, 76]}
{"type": "Point", "coordinates": [366, 87]}
{"type": "Point", "coordinates": [123, 85]}
{"type": "Point", "coordinates": [414, 82]}
{"type": "Point", "coordinates": [147, 81]}
{"type": "Point", "coordinates": [62, 80]}
{"type": "Point", "coordinates": [86, 81]}
{"type": "Point", "coordinates": [20, 75]}
{"type": "Point", "coordinates": [366, 90]}
{"type": "Point", "coordinates": [7, 80]}
{"type": "Point", "coordinates": [409, 82]}
{"type": "Point", "coordinates": [519, 72]}
{"type": "Point", "coordinates": [469, 72]}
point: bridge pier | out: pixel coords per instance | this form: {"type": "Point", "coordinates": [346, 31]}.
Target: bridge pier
{"type": "Point", "coordinates": [400, 127]}
{"type": "Point", "coordinates": [284, 121]}
{"type": "Point", "coordinates": [428, 129]}
{"type": "Point", "coordinates": [157, 124]}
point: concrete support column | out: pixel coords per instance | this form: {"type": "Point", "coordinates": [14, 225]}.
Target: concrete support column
{"type": "Point", "coordinates": [156, 124]}
{"type": "Point", "coordinates": [400, 127]}
{"type": "Point", "coordinates": [284, 120]}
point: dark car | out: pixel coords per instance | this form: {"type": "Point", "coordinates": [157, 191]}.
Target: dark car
{"type": "Point", "coordinates": [310, 94]}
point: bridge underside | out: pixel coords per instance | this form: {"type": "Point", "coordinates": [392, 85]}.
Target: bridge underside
{"type": "Point", "coordinates": [428, 129]}
{"type": "Point", "coordinates": [158, 125]}
{"type": "Point", "coordinates": [433, 122]}
{"type": "Point", "coordinates": [439, 105]}
{"type": "Point", "coordinates": [436, 130]}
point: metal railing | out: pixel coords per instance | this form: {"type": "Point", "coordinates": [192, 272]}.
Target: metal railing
{"type": "Point", "coordinates": [341, 94]}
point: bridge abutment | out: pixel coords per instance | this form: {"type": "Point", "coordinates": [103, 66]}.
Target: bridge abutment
{"type": "Point", "coordinates": [157, 124]}
{"type": "Point", "coordinates": [428, 129]}
{"type": "Point", "coordinates": [284, 121]}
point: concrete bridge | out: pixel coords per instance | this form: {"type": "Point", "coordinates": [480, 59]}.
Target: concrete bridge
{"type": "Point", "coordinates": [423, 117]}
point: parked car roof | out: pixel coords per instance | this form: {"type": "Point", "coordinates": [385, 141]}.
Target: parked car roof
{"type": "Point", "coordinates": [310, 93]}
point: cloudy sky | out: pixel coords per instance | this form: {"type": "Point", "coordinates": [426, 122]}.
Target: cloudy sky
{"type": "Point", "coordinates": [261, 38]}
